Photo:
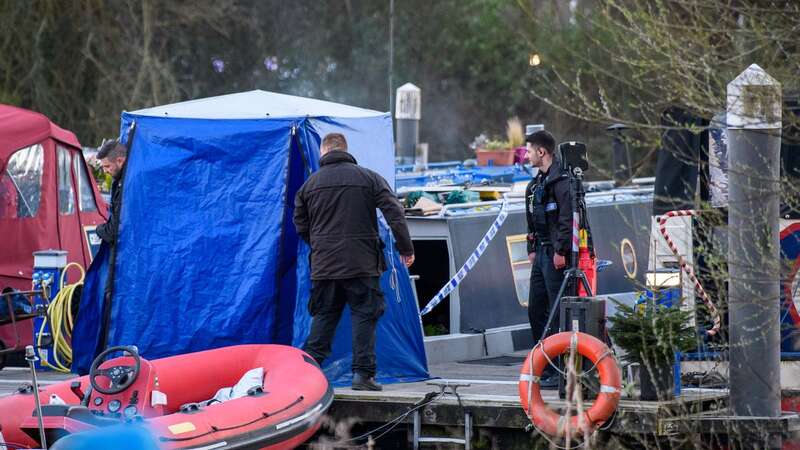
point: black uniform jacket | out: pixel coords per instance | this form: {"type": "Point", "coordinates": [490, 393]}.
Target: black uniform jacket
{"type": "Point", "coordinates": [558, 209]}
{"type": "Point", "coordinates": [108, 231]}
{"type": "Point", "coordinates": [335, 212]}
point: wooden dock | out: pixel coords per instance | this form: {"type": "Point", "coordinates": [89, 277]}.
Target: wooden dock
{"type": "Point", "coordinates": [491, 399]}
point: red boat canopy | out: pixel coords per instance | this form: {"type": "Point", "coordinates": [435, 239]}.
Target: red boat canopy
{"type": "Point", "coordinates": [21, 127]}
{"type": "Point", "coordinates": [61, 199]}
{"type": "Point", "coordinates": [48, 199]}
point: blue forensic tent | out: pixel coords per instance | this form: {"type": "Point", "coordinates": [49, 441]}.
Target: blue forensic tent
{"type": "Point", "coordinates": [208, 255]}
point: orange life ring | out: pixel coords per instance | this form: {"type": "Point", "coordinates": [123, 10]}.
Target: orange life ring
{"type": "Point", "coordinates": [547, 420]}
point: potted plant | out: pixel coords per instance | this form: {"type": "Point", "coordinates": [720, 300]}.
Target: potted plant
{"type": "Point", "coordinates": [650, 334]}
{"type": "Point", "coordinates": [498, 152]}
{"type": "Point", "coordinates": [515, 133]}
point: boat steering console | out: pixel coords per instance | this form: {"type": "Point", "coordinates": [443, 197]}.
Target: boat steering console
{"type": "Point", "coordinates": [122, 376]}
{"type": "Point", "coordinates": [123, 386]}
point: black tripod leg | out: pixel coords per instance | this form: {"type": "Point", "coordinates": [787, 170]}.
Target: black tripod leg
{"type": "Point", "coordinates": [585, 283]}
{"type": "Point", "coordinates": [557, 303]}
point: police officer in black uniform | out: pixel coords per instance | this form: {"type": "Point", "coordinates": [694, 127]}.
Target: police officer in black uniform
{"type": "Point", "coordinates": [549, 216]}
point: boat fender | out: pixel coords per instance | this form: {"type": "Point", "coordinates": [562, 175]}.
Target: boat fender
{"type": "Point", "coordinates": [547, 420]}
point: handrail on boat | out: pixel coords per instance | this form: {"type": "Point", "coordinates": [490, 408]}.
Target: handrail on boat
{"type": "Point", "coordinates": [468, 205]}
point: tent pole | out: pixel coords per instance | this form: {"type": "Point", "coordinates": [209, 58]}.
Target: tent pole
{"type": "Point", "coordinates": [391, 52]}
{"type": "Point", "coordinates": [112, 259]}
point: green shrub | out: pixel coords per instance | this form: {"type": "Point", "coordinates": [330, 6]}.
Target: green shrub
{"type": "Point", "coordinates": [650, 333]}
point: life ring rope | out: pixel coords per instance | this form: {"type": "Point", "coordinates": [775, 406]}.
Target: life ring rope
{"type": "Point", "coordinates": [554, 366]}
{"type": "Point", "coordinates": [594, 365]}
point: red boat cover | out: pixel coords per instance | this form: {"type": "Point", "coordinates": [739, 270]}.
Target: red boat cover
{"type": "Point", "coordinates": [47, 227]}
{"type": "Point", "coordinates": [21, 128]}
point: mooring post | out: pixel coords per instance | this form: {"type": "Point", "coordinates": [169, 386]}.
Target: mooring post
{"type": "Point", "coordinates": [754, 133]}
{"type": "Point", "coordinates": [407, 112]}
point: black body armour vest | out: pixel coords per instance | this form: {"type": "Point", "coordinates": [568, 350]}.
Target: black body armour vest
{"type": "Point", "coordinates": [540, 203]}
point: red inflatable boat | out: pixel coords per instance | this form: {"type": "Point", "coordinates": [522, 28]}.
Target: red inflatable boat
{"type": "Point", "coordinates": [171, 396]}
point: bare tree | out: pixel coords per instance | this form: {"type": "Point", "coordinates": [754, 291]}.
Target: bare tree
{"type": "Point", "coordinates": [82, 62]}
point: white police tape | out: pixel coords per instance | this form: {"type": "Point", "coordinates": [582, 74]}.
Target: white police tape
{"type": "Point", "coordinates": [476, 254]}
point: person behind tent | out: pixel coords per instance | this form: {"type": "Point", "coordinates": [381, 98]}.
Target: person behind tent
{"type": "Point", "coordinates": [112, 156]}
{"type": "Point", "coordinates": [335, 212]}
{"type": "Point", "coordinates": [549, 218]}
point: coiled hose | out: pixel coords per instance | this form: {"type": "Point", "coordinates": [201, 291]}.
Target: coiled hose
{"type": "Point", "coordinates": [60, 321]}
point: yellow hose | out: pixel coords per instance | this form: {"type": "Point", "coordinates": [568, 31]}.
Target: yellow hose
{"type": "Point", "coordinates": [59, 317]}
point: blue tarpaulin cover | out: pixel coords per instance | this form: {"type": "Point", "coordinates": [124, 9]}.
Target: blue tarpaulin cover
{"type": "Point", "coordinates": [207, 253]}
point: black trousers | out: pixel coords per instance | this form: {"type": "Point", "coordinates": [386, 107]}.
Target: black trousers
{"type": "Point", "coordinates": [545, 283]}
{"type": "Point", "coordinates": [328, 298]}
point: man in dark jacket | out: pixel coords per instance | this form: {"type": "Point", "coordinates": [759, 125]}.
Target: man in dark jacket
{"type": "Point", "coordinates": [112, 156]}
{"type": "Point", "coordinates": [335, 212]}
{"type": "Point", "coordinates": [549, 215]}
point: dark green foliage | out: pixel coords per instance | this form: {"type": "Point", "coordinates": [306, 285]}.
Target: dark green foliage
{"type": "Point", "coordinates": [82, 62]}
{"type": "Point", "coordinates": [650, 333]}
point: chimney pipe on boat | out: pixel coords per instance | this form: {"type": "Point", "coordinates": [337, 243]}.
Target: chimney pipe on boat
{"type": "Point", "coordinates": [407, 113]}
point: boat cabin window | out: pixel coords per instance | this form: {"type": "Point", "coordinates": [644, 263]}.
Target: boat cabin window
{"type": "Point", "coordinates": [66, 195]}
{"type": "Point", "coordinates": [517, 246]}
{"type": "Point", "coordinates": [85, 192]}
{"type": "Point", "coordinates": [21, 183]}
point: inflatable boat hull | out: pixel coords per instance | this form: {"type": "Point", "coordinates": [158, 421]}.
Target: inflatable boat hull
{"type": "Point", "coordinates": [282, 414]}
